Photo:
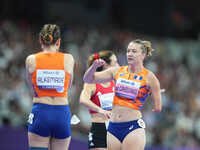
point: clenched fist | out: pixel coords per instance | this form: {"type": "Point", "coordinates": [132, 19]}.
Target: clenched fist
{"type": "Point", "coordinates": [98, 63]}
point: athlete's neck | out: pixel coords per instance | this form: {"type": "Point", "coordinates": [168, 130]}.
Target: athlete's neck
{"type": "Point", "coordinates": [50, 49]}
{"type": "Point", "coordinates": [132, 68]}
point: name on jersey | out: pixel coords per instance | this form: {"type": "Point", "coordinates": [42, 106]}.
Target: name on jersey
{"type": "Point", "coordinates": [50, 78]}
{"type": "Point", "coordinates": [127, 82]}
{"type": "Point", "coordinates": [126, 89]}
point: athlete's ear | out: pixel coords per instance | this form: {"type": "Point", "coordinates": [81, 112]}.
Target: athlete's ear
{"type": "Point", "coordinates": [58, 42]}
{"type": "Point", "coordinates": [40, 42]}
{"type": "Point", "coordinates": [144, 55]}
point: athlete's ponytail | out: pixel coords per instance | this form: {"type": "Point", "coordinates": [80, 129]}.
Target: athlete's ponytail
{"type": "Point", "coordinates": [145, 46]}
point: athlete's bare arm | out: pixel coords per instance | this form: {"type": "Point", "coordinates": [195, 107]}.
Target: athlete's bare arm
{"type": "Point", "coordinates": [85, 99]}
{"type": "Point", "coordinates": [86, 94]}
{"type": "Point", "coordinates": [156, 92]}
{"type": "Point", "coordinates": [30, 63]}
{"type": "Point", "coordinates": [30, 67]}
{"type": "Point", "coordinates": [69, 66]}
{"type": "Point", "coordinates": [91, 76]}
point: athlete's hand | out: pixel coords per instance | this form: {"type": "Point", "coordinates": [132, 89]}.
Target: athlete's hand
{"type": "Point", "coordinates": [106, 114]}
{"type": "Point", "coordinates": [98, 63]}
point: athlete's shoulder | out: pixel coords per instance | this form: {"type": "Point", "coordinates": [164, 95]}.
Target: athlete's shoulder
{"type": "Point", "coordinates": [89, 87]}
{"type": "Point", "coordinates": [68, 56]}
{"type": "Point", "coordinates": [114, 70]}
{"type": "Point", "coordinates": [30, 63]}
{"type": "Point", "coordinates": [150, 74]}
{"type": "Point", "coordinates": [30, 58]}
{"type": "Point", "coordinates": [121, 68]}
{"type": "Point", "coordinates": [86, 85]}
{"type": "Point", "coordinates": [151, 77]}
{"type": "Point", "coordinates": [146, 70]}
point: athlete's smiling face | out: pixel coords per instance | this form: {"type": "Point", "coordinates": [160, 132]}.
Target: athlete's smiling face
{"type": "Point", "coordinates": [134, 53]}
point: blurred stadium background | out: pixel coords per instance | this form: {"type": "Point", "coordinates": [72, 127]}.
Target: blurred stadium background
{"type": "Point", "coordinates": [92, 25]}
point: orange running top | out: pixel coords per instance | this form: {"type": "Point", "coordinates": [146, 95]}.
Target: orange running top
{"type": "Point", "coordinates": [131, 89]}
{"type": "Point", "coordinates": [49, 77]}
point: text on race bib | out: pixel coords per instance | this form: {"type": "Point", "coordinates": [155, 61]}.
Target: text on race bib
{"type": "Point", "coordinates": [106, 101]}
{"type": "Point", "coordinates": [127, 88]}
{"type": "Point", "coordinates": [50, 79]}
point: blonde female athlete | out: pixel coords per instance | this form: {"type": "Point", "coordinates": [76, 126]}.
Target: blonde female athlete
{"type": "Point", "coordinates": [50, 74]}
{"type": "Point", "coordinates": [98, 98]}
{"type": "Point", "coordinates": [133, 84]}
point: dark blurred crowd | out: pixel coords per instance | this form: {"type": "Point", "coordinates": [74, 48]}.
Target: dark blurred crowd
{"type": "Point", "coordinates": [175, 62]}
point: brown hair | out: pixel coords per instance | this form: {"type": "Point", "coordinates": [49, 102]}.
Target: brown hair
{"type": "Point", "coordinates": [145, 46]}
{"type": "Point", "coordinates": [104, 54]}
{"type": "Point", "coordinates": [49, 34]}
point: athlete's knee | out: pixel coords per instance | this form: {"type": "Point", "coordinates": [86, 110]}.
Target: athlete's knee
{"type": "Point", "coordinates": [38, 148]}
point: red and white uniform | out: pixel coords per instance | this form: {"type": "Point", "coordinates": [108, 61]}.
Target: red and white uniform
{"type": "Point", "coordinates": [103, 96]}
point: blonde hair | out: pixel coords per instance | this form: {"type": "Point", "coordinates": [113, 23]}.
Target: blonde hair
{"type": "Point", "coordinates": [145, 46]}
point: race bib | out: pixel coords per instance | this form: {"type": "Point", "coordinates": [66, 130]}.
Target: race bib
{"type": "Point", "coordinates": [106, 101]}
{"type": "Point", "coordinates": [127, 88]}
{"type": "Point", "coordinates": [51, 79]}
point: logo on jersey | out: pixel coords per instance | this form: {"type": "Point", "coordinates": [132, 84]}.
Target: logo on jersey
{"type": "Point", "coordinates": [131, 127]}
{"type": "Point", "coordinates": [138, 77]}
